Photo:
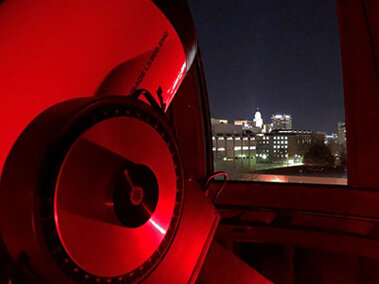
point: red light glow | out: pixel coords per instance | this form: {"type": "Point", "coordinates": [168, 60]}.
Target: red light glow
{"type": "Point", "coordinates": [159, 228]}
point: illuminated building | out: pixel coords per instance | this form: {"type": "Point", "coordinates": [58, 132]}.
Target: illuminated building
{"type": "Point", "coordinates": [221, 126]}
{"type": "Point", "coordinates": [219, 121]}
{"type": "Point", "coordinates": [281, 121]}
{"type": "Point", "coordinates": [227, 129]}
{"type": "Point", "coordinates": [285, 145]}
{"type": "Point", "coordinates": [331, 138]}
{"type": "Point", "coordinates": [272, 147]}
{"type": "Point", "coordinates": [267, 128]}
{"type": "Point", "coordinates": [258, 120]}
{"type": "Point", "coordinates": [246, 124]}
{"type": "Point", "coordinates": [341, 133]}
{"type": "Point", "coordinates": [233, 151]}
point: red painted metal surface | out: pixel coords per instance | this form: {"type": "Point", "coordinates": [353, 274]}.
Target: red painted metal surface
{"type": "Point", "coordinates": [183, 261]}
{"type": "Point", "coordinates": [54, 51]}
{"type": "Point", "coordinates": [51, 52]}
{"type": "Point", "coordinates": [62, 212]}
{"type": "Point", "coordinates": [222, 267]}
{"type": "Point", "coordinates": [87, 224]}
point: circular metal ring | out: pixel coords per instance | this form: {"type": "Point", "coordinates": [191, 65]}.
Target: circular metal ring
{"type": "Point", "coordinates": [106, 195]}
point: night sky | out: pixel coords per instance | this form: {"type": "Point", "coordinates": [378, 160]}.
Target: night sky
{"type": "Point", "coordinates": [279, 55]}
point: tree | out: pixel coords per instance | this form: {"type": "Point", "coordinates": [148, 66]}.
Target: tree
{"type": "Point", "coordinates": [342, 160]}
{"type": "Point", "coordinates": [320, 155]}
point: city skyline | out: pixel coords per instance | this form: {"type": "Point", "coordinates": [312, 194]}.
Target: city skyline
{"type": "Point", "coordinates": [269, 121]}
{"type": "Point", "coordinates": [282, 56]}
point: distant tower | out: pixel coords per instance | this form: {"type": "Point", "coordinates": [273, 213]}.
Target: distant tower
{"type": "Point", "coordinates": [258, 119]}
{"type": "Point", "coordinates": [341, 133]}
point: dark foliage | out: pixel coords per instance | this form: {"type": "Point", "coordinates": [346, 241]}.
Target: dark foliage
{"type": "Point", "coordinates": [320, 155]}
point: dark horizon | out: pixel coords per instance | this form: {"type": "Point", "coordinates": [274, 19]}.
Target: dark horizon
{"type": "Point", "coordinates": [280, 56]}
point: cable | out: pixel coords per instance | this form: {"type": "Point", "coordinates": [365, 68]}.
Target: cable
{"type": "Point", "coordinates": [220, 188]}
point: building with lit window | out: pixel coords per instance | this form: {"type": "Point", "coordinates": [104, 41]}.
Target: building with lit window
{"type": "Point", "coordinates": [331, 138]}
{"type": "Point", "coordinates": [245, 123]}
{"type": "Point", "coordinates": [272, 147]}
{"type": "Point", "coordinates": [341, 133]}
{"type": "Point", "coordinates": [219, 121]}
{"type": "Point", "coordinates": [248, 126]}
{"type": "Point", "coordinates": [221, 126]}
{"type": "Point", "coordinates": [234, 148]}
{"type": "Point", "coordinates": [281, 121]}
{"type": "Point", "coordinates": [285, 145]}
{"type": "Point", "coordinates": [267, 128]}
{"type": "Point", "coordinates": [233, 152]}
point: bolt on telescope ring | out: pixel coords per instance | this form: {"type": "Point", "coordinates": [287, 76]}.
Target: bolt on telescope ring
{"type": "Point", "coordinates": [37, 178]}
